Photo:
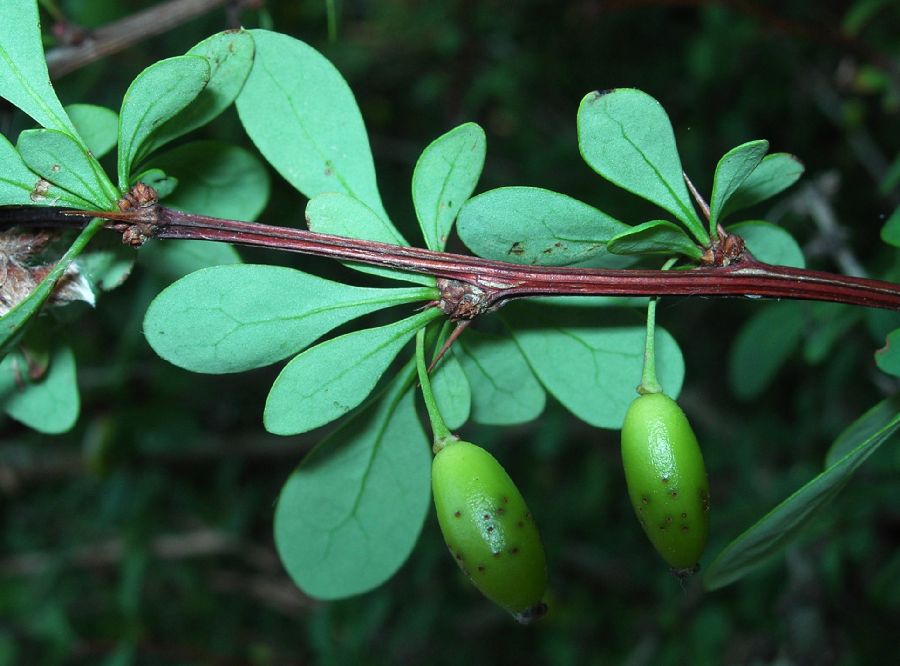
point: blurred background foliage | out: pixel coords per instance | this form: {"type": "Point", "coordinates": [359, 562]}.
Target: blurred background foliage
{"type": "Point", "coordinates": [144, 535]}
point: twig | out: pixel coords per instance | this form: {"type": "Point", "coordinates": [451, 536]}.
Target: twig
{"type": "Point", "coordinates": [118, 35]}
{"type": "Point", "coordinates": [492, 282]}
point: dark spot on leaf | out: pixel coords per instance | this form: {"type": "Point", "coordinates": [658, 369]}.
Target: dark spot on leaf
{"type": "Point", "coordinates": [329, 168]}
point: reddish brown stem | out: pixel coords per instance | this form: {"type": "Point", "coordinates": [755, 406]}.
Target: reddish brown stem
{"type": "Point", "coordinates": [500, 281]}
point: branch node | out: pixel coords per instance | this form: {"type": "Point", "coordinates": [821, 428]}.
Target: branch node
{"type": "Point", "coordinates": [725, 250]}
{"type": "Point", "coordinates": [143, 201]}
{"type": "Point", "coordinates": [461, 300]}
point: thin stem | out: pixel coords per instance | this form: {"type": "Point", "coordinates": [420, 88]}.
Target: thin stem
{"type": "Point", "coordinates": [701, 202]}
{"type": "Point", "coordinates": [123, 33]}
{"type": "Point", "coordinates": [499, 281]}
{"type": "Point", "coordinates": [649, 382]}
{"type": "Point", "coordinates": [439, 429]}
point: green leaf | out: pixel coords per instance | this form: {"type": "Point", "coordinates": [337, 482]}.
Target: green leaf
{"type": "Point", "coordinates": [771, 534]}
{"type": "Point", "coordinates": [350, 514]}
{"type": "Point", "coordinates": [592, 370]}
{"type": "Point", "coordinates": [155, 96]}
{"type": "Point", "coordinates": [863, 428]}
{"type": "Point", "coordinates": [24, 80]}
{"type": "Point", "coordinates": [13, 323]}
{"type": "Point", "coordinates": [451, 391]}
{"type": "Point", "coordinates": [216, 179]}
{"type": "Point", "coordinates": [234, 318]}
{"type": "Point", "coordinates": [655, 237]}
{"type": "Point", "coordinates": [175, 260]}
{"type": "Point", "coordinates": [302, 116]}
{"type": "Point", "coordinates": [50, 404]}
{"type": "Point", "coordinates": [533, 226]}
{"type": "Point", "coordinates": [158, 180]}
{"type": "Point", "coordinates": [626, 137]}
{"type": "Point", "coordinates": [763, 345]}
{"type": "Point", "coordinates": [444, 178]}
{"type": "Point", "coordinates": [827, 325]}
{"type": "Point", "coordinates": [504, 389]}
{"type": "Point", "coordinates": [775, 173]}
{"type": "Point", "coordinates": [97, 125]}
{"type": "Point", "coordinates": [888, 357]}
{"type": "Point", "coordinates": [107, 263]}
{"type": "Point", "coordinates": [230, 57]}
{"type": "Point", "coordinates": [769, 243]}
{"type": "Point", "coordinates": [20, 185]}
{"type": "Point", "coordinates": [890, 232]}
{"type": "Point", "coordinates": [59, 159]}
{"type": "Point", "coordinates": [342, 215]}
{"type": "Point", "coordinates": [328, 380]}
{"type": "Point", "coordinates": [733, 169]}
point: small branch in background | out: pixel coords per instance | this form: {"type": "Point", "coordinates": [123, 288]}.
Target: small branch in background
{"type": "Point", "coordinates": [862, 144]}
{"type": "Point", "coordinates": [814, 200]}
{"type": "Point", "coordinates": [21, 466]}
{"type": "Point", "coordinates": [199, 543]}
{"type": "Point", "coordinates": [116, 36]}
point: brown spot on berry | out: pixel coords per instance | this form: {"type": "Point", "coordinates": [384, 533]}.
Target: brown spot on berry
{"type": "Point", "coordinates": [513, 550]}
{"type": "Point", "coordinates": [668, 519]}
{"type": "Point", "coordinates": [501, 510]}
{"type": "Point", "coordinates": [459, 556]}
{"type": "Point", "coordinates": [457, 514]}
{"type": "Point", "coordinates": [505, 499]}
{"type": "Point", "coordinates": [685, 528]}
{"type": "Point", "coordinates": [684, 515]}
{"type": "Point", "coordinates": [645, 499]}
{"type": "Point", "coordinates": [487, 516]}
{"type": "Point", "coordinates": [481, 568]}
{"type": "Point", "coordinates": [497, 554]}
{"type": "Point", "coordinates": [490, 528]}
{"type": "Point", "coordinates": [665, 479]}
{"type": "Point", "coordinates": [520, 524]}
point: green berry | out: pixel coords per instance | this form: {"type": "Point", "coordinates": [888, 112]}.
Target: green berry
{"type": "Point", "coordinates": [489, 530]}
{"type": "Point", "coordinates": [666, 479]}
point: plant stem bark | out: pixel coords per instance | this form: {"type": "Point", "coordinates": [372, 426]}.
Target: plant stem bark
{"type": "Point", "coordinates": [496, 281]}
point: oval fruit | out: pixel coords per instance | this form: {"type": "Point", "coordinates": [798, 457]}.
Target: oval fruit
{"type": "Point", "coordinates": [666, 479]}
{"type": "Point", "coordinates": [489, 530]}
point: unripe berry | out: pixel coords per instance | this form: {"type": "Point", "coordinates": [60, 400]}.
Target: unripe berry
{"type": "Point", "coordinates": [489, 530]}
{"type": "Point", "coordinates": [666, 479]}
